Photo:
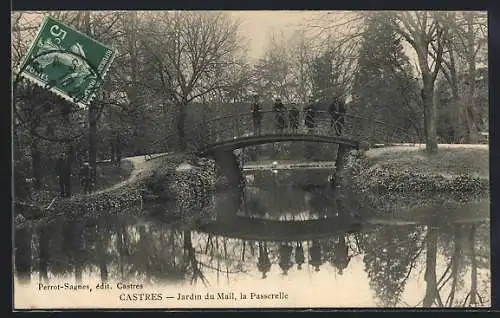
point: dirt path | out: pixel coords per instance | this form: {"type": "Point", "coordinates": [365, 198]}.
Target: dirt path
{"type": "Point", "coordinates": [140, 164]}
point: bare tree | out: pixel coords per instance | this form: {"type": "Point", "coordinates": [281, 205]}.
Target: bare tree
{"type": "Point", "coordinates": [191, 53]}
{"type": "Point", "coordinates": [301, 52]}
{"type": "Point", "coordinates": [467, 36]}
{"type": "Point", "coordinates": [425, 32]}
{"type": "Point", "coordinates": [273, 72]}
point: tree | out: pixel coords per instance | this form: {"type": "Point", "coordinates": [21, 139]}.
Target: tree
{"type": "Point", "coordinates": [464, 42]}
{"type": "Point", "coordinates": [100, 26]}
{"type": "Point", "coordinates": [190, 54]}
{"type": "Point", "coordinates": [301, 54]}
{"type": "Point", "coordinates": [425, 32]}
{"type": "Point", "coordinates": [383, 88]}
{"type": "Point", "coordinates": [390, 255]}
{"type": "Point", "coordinates": [273, 72]}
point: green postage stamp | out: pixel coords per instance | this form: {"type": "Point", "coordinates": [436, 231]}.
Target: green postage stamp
{"type": "Point", "coordinates": [67, 62]}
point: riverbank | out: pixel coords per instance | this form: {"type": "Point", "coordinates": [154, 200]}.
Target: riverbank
{"type": "Point", "coordinates": [151, 178]}
{"type": "Point", "coordinates": [451, 160]}
{"type": "Point", "coordinates": [403, 181]}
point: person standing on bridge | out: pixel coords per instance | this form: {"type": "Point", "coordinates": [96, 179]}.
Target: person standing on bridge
{"type": "Point", "coordinates": [256, 115]}
{"type": "Point", "coordinates": [279, 113]}
{"type": "Point", "coordinates": [293, 115]}
{"type": "Point", "coordinates": [309, 116]}
{"type": "Point", "coordinates": [337, 114]}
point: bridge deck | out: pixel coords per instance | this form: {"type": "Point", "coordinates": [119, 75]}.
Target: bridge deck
{"type": "Point", "coordinates": [247, 141]}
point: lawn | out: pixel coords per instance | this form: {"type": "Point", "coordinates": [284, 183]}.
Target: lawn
{"type": "Point", "coordinates": [449, 161]}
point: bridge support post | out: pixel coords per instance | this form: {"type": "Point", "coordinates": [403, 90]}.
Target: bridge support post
{"type": "Point", "coordinates": [229, 167]}
{"type": "Point", "coordinates": [341, 159]}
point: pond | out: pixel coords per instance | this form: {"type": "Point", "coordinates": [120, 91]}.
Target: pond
{"type": "Point", "coordinates": [283, 243]}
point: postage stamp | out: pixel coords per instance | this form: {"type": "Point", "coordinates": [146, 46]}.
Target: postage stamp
{"type": "Point", "coordinates": [67, 62]}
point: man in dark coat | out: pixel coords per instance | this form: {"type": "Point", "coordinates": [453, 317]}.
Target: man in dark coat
{"type": "Point", "coordinates": [256, 115]}
{"type": "Point", "coordinates": [309, 116]}
{"type": "Point", "coordinates": [63, 170]}
{"type": "Point", "coordinates": [86, 177]}
{"type": "Point", "coordinates": [293, 115]}
{"type": "Point", "coordinates": [279, 111]}
{"type": "Point", "coordinates": [337, 114]}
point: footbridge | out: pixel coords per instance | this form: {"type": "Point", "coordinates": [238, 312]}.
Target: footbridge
{"type": "Point", "coordinates": [241, 130]}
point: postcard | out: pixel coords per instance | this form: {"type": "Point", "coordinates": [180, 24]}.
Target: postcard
{"type": "Point", "coordinates": [250, 159]}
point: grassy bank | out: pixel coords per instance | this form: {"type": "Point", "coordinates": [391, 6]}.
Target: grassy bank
{"type": "Point", "coordinates": [449, 161]}
{"type": "Point", "coordinates": [406, 182]}
{"type": "Point", "coordinates": [157, 177]}
{"type": "Point", "coordinates": [107, 175]}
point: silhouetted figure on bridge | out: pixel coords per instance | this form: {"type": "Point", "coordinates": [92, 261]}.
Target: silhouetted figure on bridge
{"type": "Point", "coordinates": [315, 255]}
{"type": "Point", "coordinates": [256, 115]}
{"type": "Point", "coordinates": [285, 257]}
{"type": "Point", "coordinates": [309, 116]}
{"type": "Point", "coordinates": [337, 114]}
{"type": "Point", "coordinates": [299, 255]}
{"type": "Point", "coordinates": [264, 264]}
{"type": "Point", "coordinates": [293, 115]}
{"type": "Point", "coordinates": [280, 115]}
{"type": "Point", "coordinates": [341, 254]}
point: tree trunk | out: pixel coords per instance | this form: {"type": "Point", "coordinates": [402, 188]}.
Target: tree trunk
{"type": "Point", "coordinates": [471, 80]}
{"type": "Point", "coordinates": [36, 162]}
{"type": "Point", "coordinates": [92, 110]}
{"type": "Point", "coordinates": [44, 240]}
{"type": "Point", "coordinates": [187, 240]}
{"type": "Point", "coordinates": [430, 112]}
{"type": "Point", "coordinates": [22, 240]}
{"type": "Point", "coordinates": [181, 120]}
{"type": "Point", "coordinates": [430, 270]}
{"type": "Point", "coordinates": [93, 136]}
{"type": "Point", "coordinates": [473, 276]}
{"type": "Point", "coordinates": [458, 114]}
{"type": "Point", "coordinates": [454, 268]}
{"type": "Point", "coordinates": [69, 157]}
{"type": "Point", "coordinates": [101, 252]}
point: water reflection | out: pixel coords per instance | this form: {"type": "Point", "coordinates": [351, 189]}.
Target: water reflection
{"type": "Point", "coordinates": [273, 232]}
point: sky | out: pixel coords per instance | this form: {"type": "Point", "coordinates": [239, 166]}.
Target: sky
{"type": "Point", "coordinates": [257, 26]}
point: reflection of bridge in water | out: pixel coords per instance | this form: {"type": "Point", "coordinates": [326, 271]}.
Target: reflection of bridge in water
{"type": "Point", "coordinates": [274, 230]}
{"type": "Point", "coordinates": [238, 131]}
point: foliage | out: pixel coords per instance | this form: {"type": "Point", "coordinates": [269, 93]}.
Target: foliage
{"type": "Point", "coordinates": [393, 191]}
{"type": "Point", "coordinates": [389, 256]}
{"type": "Point", "coordinates": [384, 87]}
